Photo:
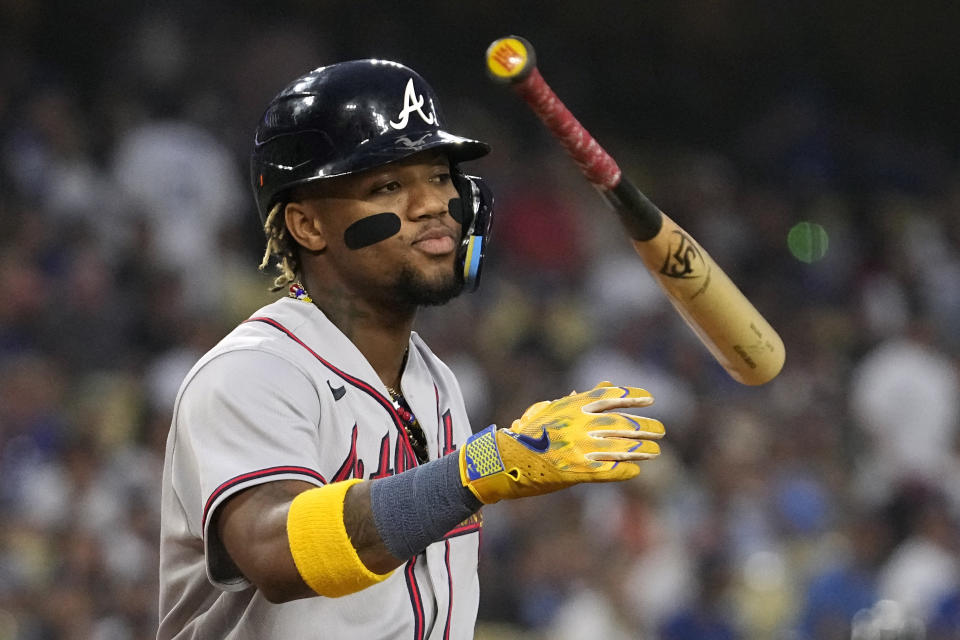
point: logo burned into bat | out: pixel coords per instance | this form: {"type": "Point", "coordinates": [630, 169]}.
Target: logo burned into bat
{"type": "Point", "coordinates": [685, 261]}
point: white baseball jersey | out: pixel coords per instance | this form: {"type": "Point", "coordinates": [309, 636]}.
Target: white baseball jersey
{"type": "Point", "coordinates": [287, 396]}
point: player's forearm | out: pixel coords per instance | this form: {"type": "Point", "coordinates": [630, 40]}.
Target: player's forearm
{"type": "Point", "coordinates": [293, 540]}
{"type": "Point", "coordinates": [412, 510]}
{"type": "Point", "coordinates": [347, 536]}
{"type": "Point", "coordinates": [255, 528]}
{"type": "Point", "coordinates": [362, 530]}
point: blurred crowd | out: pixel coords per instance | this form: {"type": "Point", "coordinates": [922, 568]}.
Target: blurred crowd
{"type": "Point", "coordinates": [823, 505]}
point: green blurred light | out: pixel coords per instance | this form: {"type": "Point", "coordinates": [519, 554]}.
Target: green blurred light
{"type": "Point", "coordinates": [808, 241]}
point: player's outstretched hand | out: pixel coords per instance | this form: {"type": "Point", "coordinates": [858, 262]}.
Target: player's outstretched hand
{"type": "Point", "coordinates": [559, 443]}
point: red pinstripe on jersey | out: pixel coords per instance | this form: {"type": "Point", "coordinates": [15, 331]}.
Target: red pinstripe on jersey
{"type": "Point", "coordinates": [415, 599]}
{"type": "Point", "coordinates": [446, 562]}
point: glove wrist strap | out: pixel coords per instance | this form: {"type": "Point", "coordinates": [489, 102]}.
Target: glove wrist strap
{"type": "Point", "coordinates": [482, 469]}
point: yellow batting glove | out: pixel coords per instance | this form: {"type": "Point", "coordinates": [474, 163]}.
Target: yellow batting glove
{"type": "Point", "coordinates": [561, 443]}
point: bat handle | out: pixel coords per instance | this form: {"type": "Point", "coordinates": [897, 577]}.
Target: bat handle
{"type": "Point", "coordinates": [641, 218]}
{"type": "Point", "coordinates": [595, 163]}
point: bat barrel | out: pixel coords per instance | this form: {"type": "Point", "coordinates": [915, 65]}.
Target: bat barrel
{"type": "Point", "coordinates": [727, 323]}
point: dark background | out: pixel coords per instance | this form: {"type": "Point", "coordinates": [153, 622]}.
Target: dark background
{"type": "Point", "coordinates": [780, 511]}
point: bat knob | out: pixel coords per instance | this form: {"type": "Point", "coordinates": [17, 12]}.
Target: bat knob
{"type": "Point", "coordinates": [510, 59]}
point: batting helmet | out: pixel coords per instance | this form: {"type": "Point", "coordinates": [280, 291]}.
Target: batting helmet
{"type": "Point", "coordinates": [352, 116]}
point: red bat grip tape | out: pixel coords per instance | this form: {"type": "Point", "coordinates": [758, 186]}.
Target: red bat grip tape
{"type": "Point", "coordinates": [595, 163]}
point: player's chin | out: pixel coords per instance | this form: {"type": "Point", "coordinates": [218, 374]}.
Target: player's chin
{"type": "Point", "coordinates": [431, 286]}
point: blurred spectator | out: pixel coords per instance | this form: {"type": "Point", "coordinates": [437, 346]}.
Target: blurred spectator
{"type": "Point", "coordinates": [709, 616]}
{"type": "Point", "coordinates": [848, 582]}
{"type": "Point", "coordinates": [904, 395]}
{"type": "Point", "coordinates": [185, 184]}
{"type": "Point", "coordinates": [923, 569]}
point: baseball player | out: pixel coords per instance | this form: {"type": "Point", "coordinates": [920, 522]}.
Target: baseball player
{"type": "Point", "coordinates": [321, 477]}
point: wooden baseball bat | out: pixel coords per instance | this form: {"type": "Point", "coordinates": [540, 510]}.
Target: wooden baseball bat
{"type": "Point", "coordinates": [731, 328]}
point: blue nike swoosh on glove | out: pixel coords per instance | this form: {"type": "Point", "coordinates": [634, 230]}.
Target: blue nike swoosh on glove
{"type": "Point", "coordinates": [540, 445]}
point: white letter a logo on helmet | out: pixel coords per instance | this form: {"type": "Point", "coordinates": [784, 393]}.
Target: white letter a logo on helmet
{"type": "Point", "coordinates": [412, 103]}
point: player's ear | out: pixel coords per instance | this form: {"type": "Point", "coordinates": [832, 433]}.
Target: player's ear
{"type": "Point", "coordinates": [304, 225]}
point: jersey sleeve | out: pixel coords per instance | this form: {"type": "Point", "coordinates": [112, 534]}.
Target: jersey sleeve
{"type": "Point", "coordinates": [245, 418]}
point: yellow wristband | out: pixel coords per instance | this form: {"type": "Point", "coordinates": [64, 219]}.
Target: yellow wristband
{"type": "Point", "coordinates": [319, 544]}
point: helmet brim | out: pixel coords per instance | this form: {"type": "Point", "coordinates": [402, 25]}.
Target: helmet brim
{"type": "Point", "coordinates": [382, 152]}
{"type": "Point", "coordinates": [371, 156]}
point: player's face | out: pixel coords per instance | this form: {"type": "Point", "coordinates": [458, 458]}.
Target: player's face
{"type": "Point", "coordinates": [415, 264]}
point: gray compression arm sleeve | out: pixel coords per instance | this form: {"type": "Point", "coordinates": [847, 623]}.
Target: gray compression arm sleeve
{"type": "Point", "coordinates": [417, 507]}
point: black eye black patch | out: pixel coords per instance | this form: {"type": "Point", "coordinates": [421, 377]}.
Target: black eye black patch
{"type": "Point", "coordinates": [371, 230]}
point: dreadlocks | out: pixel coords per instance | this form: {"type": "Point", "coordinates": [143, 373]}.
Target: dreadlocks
{"type": "Point", "coordinates": [279, 244]}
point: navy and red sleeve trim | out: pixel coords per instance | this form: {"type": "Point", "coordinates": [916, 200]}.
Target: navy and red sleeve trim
{"type": "Point", "coordinates": [255, 475]}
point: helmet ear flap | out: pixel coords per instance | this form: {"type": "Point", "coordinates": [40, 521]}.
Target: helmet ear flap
{"type": "Point", "coordinates": [461, 207]}
{"type": "Point", "coordinates": [474, 211]}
